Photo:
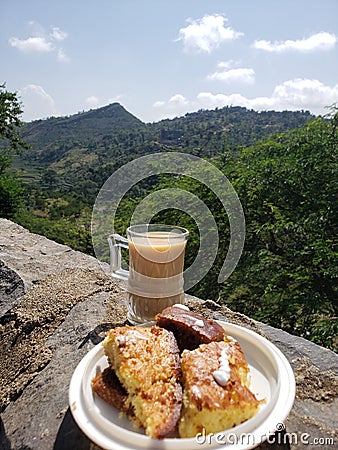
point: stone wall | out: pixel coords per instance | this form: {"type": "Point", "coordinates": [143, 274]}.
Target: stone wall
{"type": "Point", "coordinates": [56, 304]}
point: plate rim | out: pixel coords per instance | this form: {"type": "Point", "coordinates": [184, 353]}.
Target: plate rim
{"type": "Point", "coordinates": [83, 418]}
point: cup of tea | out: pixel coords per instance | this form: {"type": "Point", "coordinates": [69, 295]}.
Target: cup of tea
{"type": "Point", "coordinates": [156, 263]}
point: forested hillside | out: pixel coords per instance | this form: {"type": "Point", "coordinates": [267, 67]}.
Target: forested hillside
{"type": "Point", "coordinates": [283, 167]}
{"type": "Point", "coordinates": [288, 272]}
{"type": "Point", "coordinates": [77, 154]}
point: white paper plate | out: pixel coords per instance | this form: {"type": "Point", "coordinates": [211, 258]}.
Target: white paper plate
{"type": "Point", "coordinates": [271, 379]}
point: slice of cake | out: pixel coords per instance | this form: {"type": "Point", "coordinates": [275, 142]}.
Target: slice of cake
{"type": "Point", "coordinates": [216, 396]}
{"type": "Point", "coordinates": [147, 363]}
{"type": "Point", "coordinates": [107, 386]}
{"type": "Point", "coordinates": [190, 329]}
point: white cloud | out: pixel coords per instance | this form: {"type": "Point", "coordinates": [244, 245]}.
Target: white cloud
{"type": "Point", "coordinates": [319, 41]}
{"type": "Point", "coordinates": [31, 44]}
{"type": "Point", "coordinates": [231, 63]}
{"type": "Point", "coordinates": [117, 99]}
{"type": "Point", "coordinates": [178, 99]}
{"type": "Point", "coordinates": [306, 93]}
{"type": "Point", "coordinates": [37, 102]}
{"type": "Point", "coordinates": [174, 101]}
{"type": "Point", "coordinates": [159, 104]}
{"type": "Point", "coordinates": [42, 42]}
{"type": "Point", "coordinates": [61, 56]}
{"type": "Point", "coordinates": [92, 100]}
{"type": "Point", "coordinates": [207, 33]}
{"type": "Point", "coordinates": [176, 105]}
{"type": "Point", "coordinates": [210, 101]}
{"type": "Point", "coordinates": [239, 75]}
{"type": "Point", "coordinates": [39, 91]}
{"type": "Point", "coordinates": [291, 95]}
{"type": "Point", "coordinates": [58, 34]}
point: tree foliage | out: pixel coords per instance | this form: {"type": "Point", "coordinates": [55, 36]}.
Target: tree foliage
{"type": "Point", "coordinates": [10, 143]}
{"type": "Point", "coordinates": [288, 272]}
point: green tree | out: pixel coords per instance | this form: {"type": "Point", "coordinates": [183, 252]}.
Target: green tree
{"type": "Point", "coordinates": [287, 275]}
{"type": "Point", "coordinates": [288, 272]}
{"type": "Point", "coordinates": [10, 143]}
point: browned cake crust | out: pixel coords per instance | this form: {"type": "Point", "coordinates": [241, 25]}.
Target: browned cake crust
{"type": "Point", "coordinates": [147, 363]}
{"type": "Point", "coordinates": [107, 386]}
{"type": "Point", "coordinates": [190, 329]}
{"type": "Point", "coordinates": [207, 405]}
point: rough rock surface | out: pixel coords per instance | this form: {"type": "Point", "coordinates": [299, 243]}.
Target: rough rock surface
{"type": "Point", "coordinates": [11, 287]}
{"type": "Point", "coordinates": [33, 256]}
{"type": "Point", "coordinates": [69, 302]}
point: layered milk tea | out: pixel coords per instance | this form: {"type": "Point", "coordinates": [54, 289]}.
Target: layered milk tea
{"type": "Point", "coordinates": [156, 261]}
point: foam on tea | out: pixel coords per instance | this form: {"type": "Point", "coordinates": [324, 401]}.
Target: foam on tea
{"type": "Point", "coordinates": [158, 247]}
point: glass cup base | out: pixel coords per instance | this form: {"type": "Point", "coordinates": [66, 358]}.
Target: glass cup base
{"type": "Point", "coordinates": [143, 309]}
{"type": "Point", "coordinates": [132, 320]}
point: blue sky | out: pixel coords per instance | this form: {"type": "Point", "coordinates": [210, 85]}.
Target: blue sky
{"type": "Point", "coordinates": [166, 58]}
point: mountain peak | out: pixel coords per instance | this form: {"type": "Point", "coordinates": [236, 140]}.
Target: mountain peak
{"type": "Point", "coordinates": [113, 110]}
{"type": "Point", "coordinates": [107, 119]}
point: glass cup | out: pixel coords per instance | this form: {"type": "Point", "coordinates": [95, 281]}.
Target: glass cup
{"type": "Point", "coordinates": [156, 264]}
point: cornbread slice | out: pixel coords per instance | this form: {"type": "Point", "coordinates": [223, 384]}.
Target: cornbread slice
{"type": "Point", "coordinates": [190, 329]}
{"type": "Point", "coordinates": [147, 363]}
{"type": "Point", "coordinates": [107, 386]}
{"type": "Point", "coordinates": [216, 396]}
